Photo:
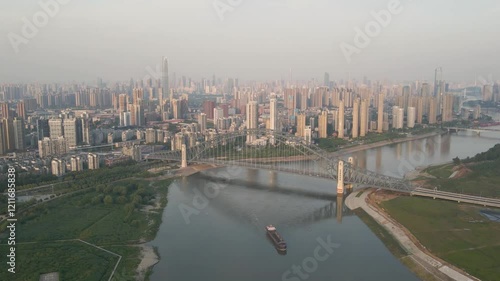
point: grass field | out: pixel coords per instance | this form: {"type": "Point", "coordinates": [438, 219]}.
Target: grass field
{"type": "Point", "coordinates": [454, 232]}
{"type": "Point", "coordinates": [441, 171]}
{"type": "Point", "coordinates": [482, 181]}
{"type": "Point", "coordinates": [73, 260]}
{"type": "Point", "coordinates": [110, 215]}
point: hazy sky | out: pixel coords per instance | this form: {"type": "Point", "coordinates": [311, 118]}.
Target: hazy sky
{"type": "Point", "coordinates": [258, 39]}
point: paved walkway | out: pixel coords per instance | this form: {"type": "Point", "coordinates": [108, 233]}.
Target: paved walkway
{"type": "Point", "coordinates": [353, 202]}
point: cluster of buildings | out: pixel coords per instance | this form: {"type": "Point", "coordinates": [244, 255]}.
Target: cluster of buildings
{"type": "Point", "coordinates": [58, 121]}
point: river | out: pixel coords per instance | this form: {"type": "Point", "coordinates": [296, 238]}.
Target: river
{"type": "Point", "coordinates": [222, 236]}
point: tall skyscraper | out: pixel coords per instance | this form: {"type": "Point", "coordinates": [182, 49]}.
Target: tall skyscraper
{"type": "Point", "coordinates": [411, 117]}
{"type": "Point", "coordinates": [363, 119]}
{"type": "Point", "coordinates": [326, 82]}
{"type": "Point", "coordinates": [18, 125]}
{"type": "Point", "coordinates": [70, 132]}
{"type": "Point", "coordinates": [433, 111]}
{"type": "Point", "coordinates": [8, 134]}
{"type": "Point", "coordinates": [122, 102]}
{"type": "Point", "coordinates": [4, 107]}
{"type": "Point", "coordinates": [355, 119]}
{"type": "Point", "coordinates": [323, 125]}
{"type": "Point", "coordinates": [447, 115]}
{"type": "Point", "coordinates": [380, 113]}
{"type": "Point", "coordinates": [164, 76]}
{"type": "Point", "coordinates": [341, 119]}
{"type": "Point", "coordinates": [301, 124]}
{"type": "Point", "coordinates": [3, 148]}
{"type": "Point", "coordinates": [202, 122]}
{"type": "Point", "coordinates": [273, 112]}
{"type": "Point", "coordinates": [208, 108]}
{"type": "Point", "coordinates": [21, 110]}
{"type": "Point", "coordinates": [420, 110]}
{"type": "Point", "coordinates": [252, 120]}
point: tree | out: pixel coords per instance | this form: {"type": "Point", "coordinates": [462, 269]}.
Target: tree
{"type": "Point", "coordinates": [108, 200]}
{"type": "Point", "coordinates": [457, 161]}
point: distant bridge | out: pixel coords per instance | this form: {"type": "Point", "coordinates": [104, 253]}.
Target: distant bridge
{"type": "Point", "coordinates": [475, 130]}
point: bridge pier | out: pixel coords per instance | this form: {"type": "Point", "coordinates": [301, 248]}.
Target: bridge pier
{"type": "Point", "coordinates": [184, 156]}
{"type": "Point", "coordinates": [350, 160]}
{"type": "Point", "coordinates": [340, 178]}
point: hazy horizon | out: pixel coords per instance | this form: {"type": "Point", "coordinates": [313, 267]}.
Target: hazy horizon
{"type": "Point", "coordinates": [256, 40]}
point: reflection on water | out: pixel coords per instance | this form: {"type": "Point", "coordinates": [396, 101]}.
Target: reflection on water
{"type": "Point", "coordinates": [226, 239]}
{"type": "Point", "coordinates": [398, 159]}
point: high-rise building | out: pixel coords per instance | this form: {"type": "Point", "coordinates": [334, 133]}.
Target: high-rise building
{"type": "Point", "coordinates": [380, 113]}
{"type": "Point", "coordinates": [208, 108]}
{"type": "Point", "coordinates": [177, 109]}
{"type": "Point", "coordinates": [341, 119]}
{"type": "Point", "coordinates": [150, 136]}
{"type": "Point", "coordinates": [21, 110]}
{"type": "Point", "coordinates": [411, 113]}
{"type": "Point", "coordinates": [447, 115]}
{"type": "Point", "coordinates": [3, 148]}
{"type": "Point", "coordinates": [122, 102]}
{"type": "Point", "coordinates": [56, 128]}
{"type": "Point", "coordinates": [397, 117]}
{"type": "Point", "coordinates": [301, 124]}
{"type": "Point", "coordinates": [252, 120]}
{"type": "Point", "coordinates": [18, 125]}
{"type": "Point", "coordinates": [164, 76]}
{"type": "Point", "coordinates": [363, 119]}
{"type": "Point", "coordinates": [42, 128]}
{"type": "Point", "coordinates": [355, 119]}
{"type": "Point", "coordinates": [487, 93]}
{"type": "Point", "coordinates": [218, 114]}
{"type": "Point", "coordinates": [273, 114]}
{"type": "Point", "coordinates": [70, 132]}
{"type": "Point", "coordinates": [58, 167]}
{"type": "Point", "coordinates": [308, 135]}
{"type": "Point", "coordinates": [202, 122]}
{"type": "Point", "coordinates": [326, 82]}
{"type": "Point", "coordinates": [8, 134]}
{"type": "Point", "coordinates": [4, 107]}
{"type": "Point", "coordinates": [93, 160]}
{"type": "Point", "coordinates": [76, 164]}
{"type": "Point", "coordinates": [323, 125]}
{"type": "Point", "coordinates": [433, 111]}
{"type": "Point", "coordinates": [420, 109]}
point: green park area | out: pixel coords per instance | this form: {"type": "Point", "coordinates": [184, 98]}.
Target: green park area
{"type": "Point", "coordinates": [456, 233]}
{"type": "Point", "coordinates": [115, 214]}
{"type": "Point", "coordinates": [478, 175]}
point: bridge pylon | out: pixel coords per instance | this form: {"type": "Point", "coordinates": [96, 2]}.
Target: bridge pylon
{"type": "Point", "coordinates": [350, 160]}
{"type": "Point", "coordinates": [340, 178]}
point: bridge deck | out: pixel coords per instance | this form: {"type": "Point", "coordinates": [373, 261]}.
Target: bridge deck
{"type": "Point", "coordinates": [476, 200]}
